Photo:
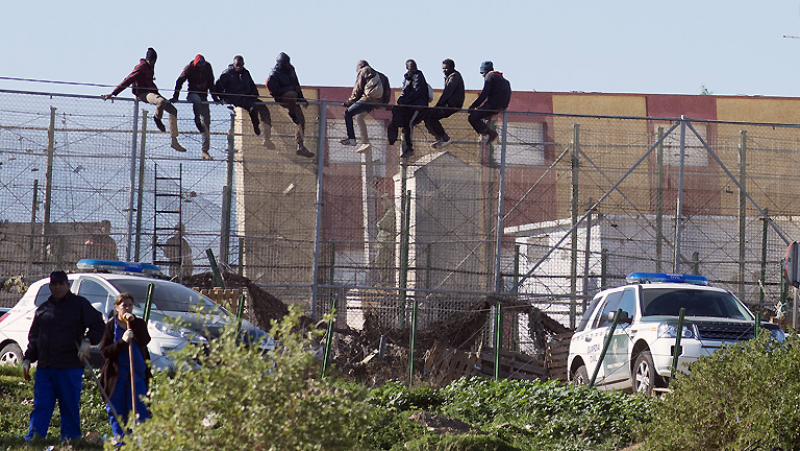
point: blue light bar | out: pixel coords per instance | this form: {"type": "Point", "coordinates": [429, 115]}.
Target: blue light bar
{"type": "Point", "coordinates": [87, 264]}
{"type": "Point", "coordinates": [660, 277]}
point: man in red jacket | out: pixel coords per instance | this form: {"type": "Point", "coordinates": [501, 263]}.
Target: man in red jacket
{"type": "Point", "coordinates": [146, 91]}
{"type": "Point", "coordinates": [201, 80]}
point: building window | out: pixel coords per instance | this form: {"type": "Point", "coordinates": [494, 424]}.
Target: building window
{"type": "Point", "coordinates": [695, 153]}
{"type": "Point", "coordinates": [524, 144]}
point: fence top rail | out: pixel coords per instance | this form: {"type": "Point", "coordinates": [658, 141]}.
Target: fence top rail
{"type": "Point", "coordinates": [510, 112]}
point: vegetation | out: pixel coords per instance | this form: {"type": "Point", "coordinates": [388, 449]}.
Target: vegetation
{"type": "Point", "coordinates": [742, 396]}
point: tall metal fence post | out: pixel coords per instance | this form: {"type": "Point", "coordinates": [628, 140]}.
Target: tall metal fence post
{"type": "Point", "coordinates": [573, 262]}
{"type": "Point", "coordinates": [48, 180]}
{"type": "Point", "coordinates": [676, 263]}
{"type": "Point", "coordinates": [763, 276]}
{"type": "Point", "coordinates": [587, 256]}
{"type": "Point", "coordinates": [659, 199]}
{"type": "Point", "coordinates": [401, 279]}
{"type": "Point", "coordinates": [33, 226]}
{"type": "Point", "coordinates": [318, 223]}
{"type": "Point", "coordinates": [498, 339]}
{"type": "Point", "coordinates": [405, 239]}
{"type": "Point", "coordinates": [498, 274]}
{"type": "Point", "coordinates": [742, 212]}
{"type": "Point", "coordinates": [227, 199]}
{"type": "Point", "coordinates": [140, 200]}
{"type": "Point", "coordinates": [603, 269]}
{"type": "Point", "coordinates": [677, 349]}
{"type": "Point", "coordinates": [606, 343]}
{"type": "Point", "coordinates": [132, 191]}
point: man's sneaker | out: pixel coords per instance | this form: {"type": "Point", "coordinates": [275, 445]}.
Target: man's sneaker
{"type": "Point", "coordinates": [364, 147]}
{"type": "Point", "coordinates": [205, 156]}
{"type": "Point", "coordinates": [303, 152]}
{"type": "Point", "coordinates": [441, 143]}
{"type": "Point", "coordinates": [407, 153]}
{"type": "Point", "coordinates": [256, 130]}
{"type": "Point", "coordinates": [492, 135]}
{"type": "Point", "coordinates": [159, 124]}
{"type": "Point", "coordinates": [348, 142]}
{"type": "Point", "coordinates": [176, 145]}
{"type": "Point", "coordinates": [269, 144]}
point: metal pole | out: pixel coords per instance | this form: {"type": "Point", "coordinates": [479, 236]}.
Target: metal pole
{"type": "Point", "coordinates": [135, 126]}
{"type": "Point", "coordinates": [516, 264]}
{"type": "Point", "coordinates": [240, 313]}
{"type": "Point", "coordinates": [48, 180]}
{"type": "Point", "coordinates": [148, 303]}
{"type": "Point", "coordinates": [763, 277]}
{"type": "Point", "coordinates": [241, 257]}
{"type": "Point", "coordinates": [318, 222]}
{"type": "Point", "coordinates": [676, 262]}
{"type": "Point", "coordinates": [659, 199]}
{"type": "Point", "coordinates": [573, 261]}
{"type": "Point", "coordinates": [757, 325]}
{"type": "Point", "coordinates": [599, 201]}
{"type": "Point", "coordinates": [498, 276]}
{"type": "Point", "coordinates": [140, 193]}
{"type": "Point", "coordinates": [412, 344]}
{"type": "Point", "coordinates": [587, 256]}
{"type": "Point", "coordinates": [606, 343]}
{"type": "Point", "coordinates": [227, 199]}
{"type": "Point", "coordinates": [794, 309]}
{"type": "Point", "coordinates": [696, 263]}
{"type": "Point", "coordinates": [326, 359]}
{"type": "Point", "coordinates": [742, 211]}
{"type": "Point", "coordinates": [401, 281]}
{"type": "Point", "coordinates": [33, 226]}
{"type": "Point", "coordinates": [498, 339]}
{"type": "Point", "coordinates": [405, 241]}
{"type": "Point", "coordinates": [677, 350]}
{"type": "Point", "coordinates": [218, 280]}
{"type": "Point", "coordinates": [603, 269]}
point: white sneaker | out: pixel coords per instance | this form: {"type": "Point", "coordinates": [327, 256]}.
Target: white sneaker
{"type": "Point", "coordinates": [206, 156]}
{"type": "Point", "coordinates": [348, 142]}
{"type": "Point", "coordinates": [364, 147]}
{"type": "Point", "coordinates": [439, 143]}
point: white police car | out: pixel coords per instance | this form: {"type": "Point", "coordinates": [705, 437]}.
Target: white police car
{"type": "Point", "coordinates": [101, 287]}
{"type": "Point", "coordinates": [641, 351]}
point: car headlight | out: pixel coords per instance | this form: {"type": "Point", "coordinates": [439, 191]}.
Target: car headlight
{"type": "Point", "coordinates": [178, 332]}
{"type": "Point", "coordinates": [671, 331]}
{"type": "Point", "coordinates": [778, 334]}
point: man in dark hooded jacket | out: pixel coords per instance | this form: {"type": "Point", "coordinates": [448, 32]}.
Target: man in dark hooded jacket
{"type": "Point", "coordinates": [201, 80]}
{"type": "Point", "coordinates": [409, 109]}
{"type": "Point", "coordinates": [496, 93]}
{"type": "Point", "coordinates": [451, 100]}
{"type": "Point", "coordinates": [146, 91]}
{"type": "Point", "coordinates": [284, 87]}
{"type": "Point", "coordinates": [236, 87]}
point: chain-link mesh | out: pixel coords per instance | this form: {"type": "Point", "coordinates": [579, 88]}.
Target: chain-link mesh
{"type": "Point", "coordinates": [375, 236]}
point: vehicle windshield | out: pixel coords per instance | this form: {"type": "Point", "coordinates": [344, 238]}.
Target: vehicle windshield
{"type": "Point", "coordinates": [669, 301]}
{"type": "Point", "coordinates": [167, 296]}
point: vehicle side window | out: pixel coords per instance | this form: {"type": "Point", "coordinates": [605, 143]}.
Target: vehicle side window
{"type": "Point", "coordinates": [611, 305]}
{"type": "Point", "coordinates": [97, 294]}
{"type": "Point", "coordinates": [44, 294]}
{"type": "Point", "coordinates": [587, 315]}
{"type": "Point", "coordinates": [628, 302]}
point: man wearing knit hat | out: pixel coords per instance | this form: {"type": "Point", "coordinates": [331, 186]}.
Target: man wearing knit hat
{"type": "Point", "coordinates": [494, 98]}
{"type": "Point", "coordinates": [201, 80]}
{"type": "Point", "coordinates": [146, 91]}
{"type": "Point", "coordinates": [284, 87]}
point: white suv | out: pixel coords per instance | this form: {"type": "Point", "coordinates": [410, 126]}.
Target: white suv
{"type": "Point", "coordinates": [641, 351]}
{"type": "Point", "coordinates": [101, 289]}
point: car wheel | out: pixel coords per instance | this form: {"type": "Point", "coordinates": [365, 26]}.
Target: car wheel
{"type": "Point", "coordinates": [644, 374]}
{"type": "Point", "coordinates": [580, 376]}
{"type": "Point", "coordinates": [11, 354]}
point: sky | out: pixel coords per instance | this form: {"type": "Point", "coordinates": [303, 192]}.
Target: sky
{"type": "Point", "coordinates": [730, 47]}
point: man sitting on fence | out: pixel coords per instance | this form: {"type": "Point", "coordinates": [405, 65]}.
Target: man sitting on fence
{"type": "Point", "coordinates": [146, 91]}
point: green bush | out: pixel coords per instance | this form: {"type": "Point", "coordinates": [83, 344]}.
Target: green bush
{"type": "Point", "coordinates": [390, 429]}
{"type": "Point", "coordinates": [239, 400]}
{"type": "Point", "coordinates": [742, 394]}
{"type": "Point", "coordinates": [457, 443]}
{"type": "Point", "coordinates": [395, 396]}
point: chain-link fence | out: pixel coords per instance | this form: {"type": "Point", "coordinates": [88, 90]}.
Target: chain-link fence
{"type": "Point", "coordinates": [556, 209]}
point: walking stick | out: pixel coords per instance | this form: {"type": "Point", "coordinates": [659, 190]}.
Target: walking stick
{"type": "Point", "coordinates": [100, 387]}
{"type": "Point", "coordinates": [133, 377]}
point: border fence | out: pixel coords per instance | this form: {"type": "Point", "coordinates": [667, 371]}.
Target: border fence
{"type": "Point", "coordinates": [559, 207]}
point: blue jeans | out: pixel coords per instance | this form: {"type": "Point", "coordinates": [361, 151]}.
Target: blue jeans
{"type": "Point", "coordinates": [50, 385]}
{"type": "Point", "coordinates": [202, 118]}
{"type": "Point", "coordinates": [354, 110]}
{"type": "Point", "coordinates": [121, 400]}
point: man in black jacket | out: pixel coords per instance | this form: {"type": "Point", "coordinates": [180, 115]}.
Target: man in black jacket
{"type": "Point", "coordinates": [409, 109]}
{"type": "Point", "coordinates": [63, 328]}
{"type": "Point", "coordinates": [284, 87]}
{"type": "Point", "coordinates": [236, 87]}
{"type": "Point", "coordinates": [200, 75]}
{"type": "Point", "coordinates": [451, 100]}
{"type": "Point", "coordinates": [496, 93]}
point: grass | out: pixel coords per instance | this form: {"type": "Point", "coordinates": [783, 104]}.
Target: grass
{"type": "Point", "coordinates": [16, 404]}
